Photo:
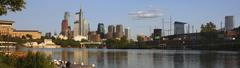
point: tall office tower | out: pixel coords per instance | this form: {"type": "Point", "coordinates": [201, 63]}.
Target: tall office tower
{"type": "Point", "coordinates": [85, 27]}
{"type": "Point", "coordinates": [229, 23]}
{"type": "Point", "coordinates": [65, 25]}
{"type": "Point", "coordinates": [111, 31]}
{"type": "Point", "coordinates": [81, 22]}
{"type": "Point", "coordinates": [179, 27]}
{"type": "Point", "coordinates": [119, 31]}
{"type": "Point", "coordinates": [127, 33]}
{"type": "Point", "coordinates": [76, 26]}
{"type": "Point", "coordinates": [101, 30]}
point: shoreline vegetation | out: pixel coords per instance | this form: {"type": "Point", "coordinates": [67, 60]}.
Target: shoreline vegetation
{"type": "Point", "coordinates": [25, 60]}
{"type": "Point", "coordinates": [123, 43]}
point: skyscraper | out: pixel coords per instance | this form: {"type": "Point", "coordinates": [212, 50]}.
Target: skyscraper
{"type": "Point", "coordinates": [85, 27]}
{"type": "Point", "coordinates": [101, 30]}
{"type": "Point", "coordinates": [76, 26]}
{"type": "Point", "coordinates": [81, 25]}
{"type": "Point", "coordinates": [179, 27]}
{"type": "Point", "coordinates": [229, 23]}
{"type": "Point", "coordinates": [119, 31]}
{"type": "Point", "coordinates": [127, 33]}
{"type": "Point", "coordinates": [111, 31]}
{"type": "Point", "coordinates": [65, 27]}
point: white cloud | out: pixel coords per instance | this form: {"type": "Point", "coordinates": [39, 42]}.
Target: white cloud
{"type": "Point", "coordinates": [145, 14]}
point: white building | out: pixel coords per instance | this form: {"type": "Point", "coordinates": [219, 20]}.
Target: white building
{"type": "Point", "coordinates": [229, 23]}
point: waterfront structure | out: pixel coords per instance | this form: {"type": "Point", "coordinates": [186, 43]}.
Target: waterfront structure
{"type": "Point", "coordinates": [157, 33]}
{"type": "Point", "coordinates": [101, 30]}
{"type": "Point", "coordinates": [179, 27]}
{"type": "Point", "coordinates": [111, 31]}
{"type": "Point", "coordinates": [119, 31]}
{"type": "Point", "coordinates": [65, 25]}
{"type": "Point", "coordinates": [6, 28]}
{"type": "Point", "coordinates": [127, 33]}
{"type": "Point", "coordinates": [229, 23]}
{"type": "Point", "coordinates": [47, 43]}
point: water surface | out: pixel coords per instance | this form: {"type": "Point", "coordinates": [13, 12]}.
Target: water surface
{"type": "Point", "coordinates": [145, 58]}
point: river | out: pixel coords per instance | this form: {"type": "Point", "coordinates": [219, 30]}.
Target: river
{"type": "Point", "coordinates": [145, 58]}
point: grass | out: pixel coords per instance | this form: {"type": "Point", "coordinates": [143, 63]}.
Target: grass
{"type": "Point", "coordinates": [4, 65]}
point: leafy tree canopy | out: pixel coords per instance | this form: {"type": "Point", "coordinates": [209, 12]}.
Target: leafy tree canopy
{"type": "Point", "coordinates": [209, 27]}
{"type": "Point", "coordinates": [11, 5]}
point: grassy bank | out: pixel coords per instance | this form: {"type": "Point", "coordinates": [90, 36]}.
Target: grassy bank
{"type": "Point", "coordinates": [27, 60]}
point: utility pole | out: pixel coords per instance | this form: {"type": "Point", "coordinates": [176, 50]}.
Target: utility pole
{"type": "Point", "coordinates": [170, 23]}
{"type": "Point", "coordinates": [163, 27]}
{"type": "Point", "coordinates": [221, 26]}
{"type": "Point", "coordinates": [192, 29]}
{"type": "Point", "coordinates": [188, 28]}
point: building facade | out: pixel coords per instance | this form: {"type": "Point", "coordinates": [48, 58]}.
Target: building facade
{"type": "Point", "coordinates": [81, 25]}
{"type": "Point", "coordinates": [6, 28]}
{"type": "Point", "coordinates": [76, 26]}
{"type": "Point", "coordinates": [101, 30]}
{"type": "Point", "coordinates": [94, 37]}
{"type": "Point", "coordinates": [157, 33]}
{"type": "Point", "coordinates": [229, 23]}
{"type": "Point", "coordinates": [179, 27]}
{"type": "Point", "coordinates": [127, 33]}
{"type": "Point", "coordinates": [65, 25]}
{"type": "Point", "coordinates": [111, 31]}
{"type": "Point", "coordinates": [119, 31]}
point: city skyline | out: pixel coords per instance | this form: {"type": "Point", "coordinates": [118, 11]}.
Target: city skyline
{"type": "Point", "coordinates": [36, 16]}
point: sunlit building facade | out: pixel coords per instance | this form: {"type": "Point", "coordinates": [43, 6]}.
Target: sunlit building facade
{"type": "Point", "coordinates": [6, 28]}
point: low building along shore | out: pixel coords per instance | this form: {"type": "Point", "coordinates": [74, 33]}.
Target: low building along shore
{"type": "Point", "coordinates": [6, 28]}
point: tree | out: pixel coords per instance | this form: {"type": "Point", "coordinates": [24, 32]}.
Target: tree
{"type": "Point", "coordinates": [208, 32]}
{"type": "Point", "coordinates": [11, 5]}
{"type": "Point", "coordinates": [140, 38]}
{"type": "Point", "coordinates": [209, 27]}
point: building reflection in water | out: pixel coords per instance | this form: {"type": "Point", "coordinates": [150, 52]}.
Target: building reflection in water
{"type": "Point", "coordinates": [111, 58]}
{"type": "Point", "coordinates": [80, 55]}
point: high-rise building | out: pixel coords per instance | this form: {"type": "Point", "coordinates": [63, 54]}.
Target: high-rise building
{"type": "Point", "coordinates": [101, 30]}
{"type": "Point", "coordinates": [81, 22]}
{"type": "Point", "coordinates": [65, 26]}
{"type": "Point", "coordinates": [157, 33]}
{"type": "Point", "coordinates": [111, 31]}
{"type": "Point", "coordinates": [85, 27]}
{"type": "Point", "coordinates": [119, 31]}
{"type": "Point", "coordinates": [179, 27]}
{"type": "Point", "coordinates": [76, 26]}
{"type": "Point", "coordinates": [229, 23]}
{"type": "Point", "coordinates": [127, 33]}
{"type": "Point", "coordinates": [81, 25]}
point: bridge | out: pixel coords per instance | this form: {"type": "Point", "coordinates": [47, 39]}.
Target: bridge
{"type": "Point", "coordinates": [3, 42]}
{"type": "Point", "coordinates": [84, 44]}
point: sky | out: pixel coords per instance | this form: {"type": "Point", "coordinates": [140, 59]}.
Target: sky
{"type": "Point", "coordinates": [141, 16]}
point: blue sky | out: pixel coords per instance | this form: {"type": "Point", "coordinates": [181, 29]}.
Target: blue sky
{"type": "Point", "coordinates": [46, 15]}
